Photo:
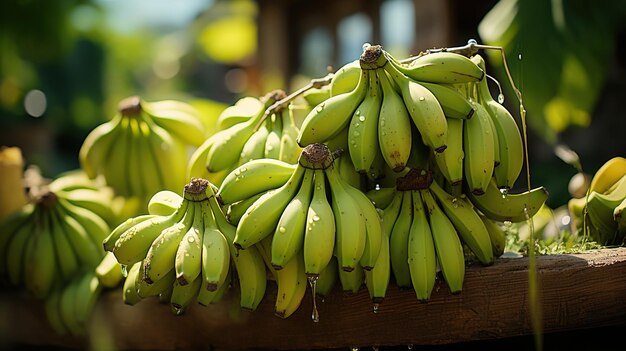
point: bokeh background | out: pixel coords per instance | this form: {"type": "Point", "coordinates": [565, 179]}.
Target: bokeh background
{"type": "Point", "coordinates": [65, 64]}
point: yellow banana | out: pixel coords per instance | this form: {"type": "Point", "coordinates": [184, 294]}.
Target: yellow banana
{"type": "Point", "coordinates": [421, 250]}
{"type": "Point", "coordinates": [447, 244]}
{"type": "Point", "coordinates": [608, 174]}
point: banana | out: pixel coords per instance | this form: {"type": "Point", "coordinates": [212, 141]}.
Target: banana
{"type": "Point", "coordinates": [164, 202]}
{"type": "Point", "coordinates": [346, 78]}
{"type": "Point", "coordinates": [134, 243]}
{"type": "Point", "coordinates": [171, 156]}
{"type": "Point", "coordinates": [254, 177]}
{"type": "Point", "coordinates": [272, 142]}
{"type": "Point", "coordinates": [74, 179]}
{"type": "Point", "coordinates": [601, 206]}
{"type": "Point", "coordinates": [453, 103]}
{"type": "Point", "coordinates": [148, 169]}
{"type": "Point", "coordinates": [11, 225]}
{"type": "Point", "coordinates": [288, 236]}
{"type": "Point", "coordinates": [68, 307]}
{"type": "Point", "coordinates": [53, 311]}
{"type": "Point", "coordinates": [298, 295]}
{"type": "Point", "coordinates": [254, 148]}
{"type": "Point", "coordinates": [450, 162]}
{"type": "Point", "coordinates": [381, 197]}
{"type": "Point", "coordinates": [87, 293]}
{"type": "Point", "coordinates": [511, 148]}
{"type": "Point", "coordinates": [377, 278]}
{"type": "Point", "coordinates": [347, 172]}
{"type": "Point", "coordinates": [620, 218]}
{"type": "Point", "coordinates": [373, 228]}
{"type": "Point", "coordinates": [289, 148]}
{"type": "Point", "coordinates": [424, 108]}
{"type": "Point", "coordinates": [136, 184]}
{"type": "Point", "coordinates": [98, 202]}
{"type": "Point", "coordinates": [391, 212]}
{"type": "Point", "coordinates": [129, 289]}
{"type": "Point", "coordinates": [183, 295]}
{"type": "Point", "coordinates": [244, 109]}
{"type": "Point", "coordinates": [15, 252]}
{"type": "Point", "coordinates": [40, 268]}
{"type": "Point", "coordinates": [261, 218]}
{"type": "Point", "coordinates": [330, 117]}
{"type": "Point", "coordinates": [351, 281]}
{"type": "Point", "coordinates": [162, 251]}
{"type": "Point", "coordinates": [443, 68]}
{"type": "Point", "coordinates": [206, 297]}
{"type": "Point", "coordinates": [467, 223]}
{"type": "Point", "coordinates": [319, 237]}
{"type": "Point", "coordinates": [67, 260]}
{"type": "Point", "coordinates": [421, 250]}
{"type": "Point", "coordinates": [363, 128]}
{"type": "Point", "coordinates": [288, 279]}
{"type": "Point", "coordinates": [85, 248]}
{"type": "Point", "coordinates": [196, 167]}
{"type": "Point", "coordinates": [608, 174]}
{"type": "Point", "coordinates": [496, 235]}
{"type": "Point", "coordinates": [180, 119]}
{"type": "Point", "coordinates": [109, 242]}
{"type": "Point", "coordinates": [145, 290]}
{"type": "Point", "coordinates": [95, 149]}
{"type": "Point", "coordinates": [248, 263]}
{"type": "Point", "coordinates": [351, 231]}
{"type": "Point", "coordinates": [510, 207]}
{"type": "Point", "coordinates": [96, 227]}
{"type": "Point", "coordinates": [236, 210]}
{"type": "Point", "coordinates": [215, 250]}
{"type": "Point", "coordinates": [447, 244]}
{"type": "Point", "coordinates": [394, 126]}
{"type": "Point", "coordinates": [188, 254]}
{"type": "Point", "coordinates": [108, 271]}
{"type": "Point", "coordinates": [115, 170]}
{"type": "Point", "coordinates": [479, 147]}
{"type": "Point", "coordinates": [327, 279]}
{"type": "Point", "coordinates": [399, 240]}
{"type": "Point", "coordinates": [227, 144]}
{"type": "Point", "coordinates": [315, 96]}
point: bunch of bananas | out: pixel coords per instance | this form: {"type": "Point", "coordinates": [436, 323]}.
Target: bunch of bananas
{"type": "Point", "coordinates": [600, 211]}
{"type": "Point", "coordinates": [303, 215]}
{"type": "Point", "coordinates": [55, 236]}
{"type": "Point", "coordinates": [250, 130]}
{"type": "Point", "coordinates": [438, 106]}
{"type": "Point", "coordinates": [182, 251]}
{"type": "Point", "coordinates": [144, 147]}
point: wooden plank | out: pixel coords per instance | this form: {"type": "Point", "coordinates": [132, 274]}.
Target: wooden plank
{"type": "Point", "coordinates": [577, 291]}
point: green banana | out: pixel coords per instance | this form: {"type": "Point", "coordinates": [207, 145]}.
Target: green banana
{"type": "Point", "coordinates": [319, 236]}
{"type": "Point", "coordinates": [363, 128]}
{"type": "Point", "coordinates": [443, 68]}
{"type": "Point", "coordinates": [421, 250]}
{"type": "Point", "coordinates": [398, 242]}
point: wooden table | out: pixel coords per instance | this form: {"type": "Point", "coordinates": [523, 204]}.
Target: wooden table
{"type": "Point", "coordinates": [577, 292]}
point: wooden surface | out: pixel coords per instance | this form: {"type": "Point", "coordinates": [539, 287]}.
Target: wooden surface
{"type": "Point", "coordinates": [577, 291]}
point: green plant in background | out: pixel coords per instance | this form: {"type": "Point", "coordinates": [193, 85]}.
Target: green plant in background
{"type": "Point", "coordinates": [560, 52]}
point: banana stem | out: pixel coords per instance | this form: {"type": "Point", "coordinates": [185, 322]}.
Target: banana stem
{"type": "Point", "coordinates": [315, 83]}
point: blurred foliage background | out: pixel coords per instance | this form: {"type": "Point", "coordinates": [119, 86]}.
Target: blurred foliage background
{"type": "Point", "coordinates": [65, 64]}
